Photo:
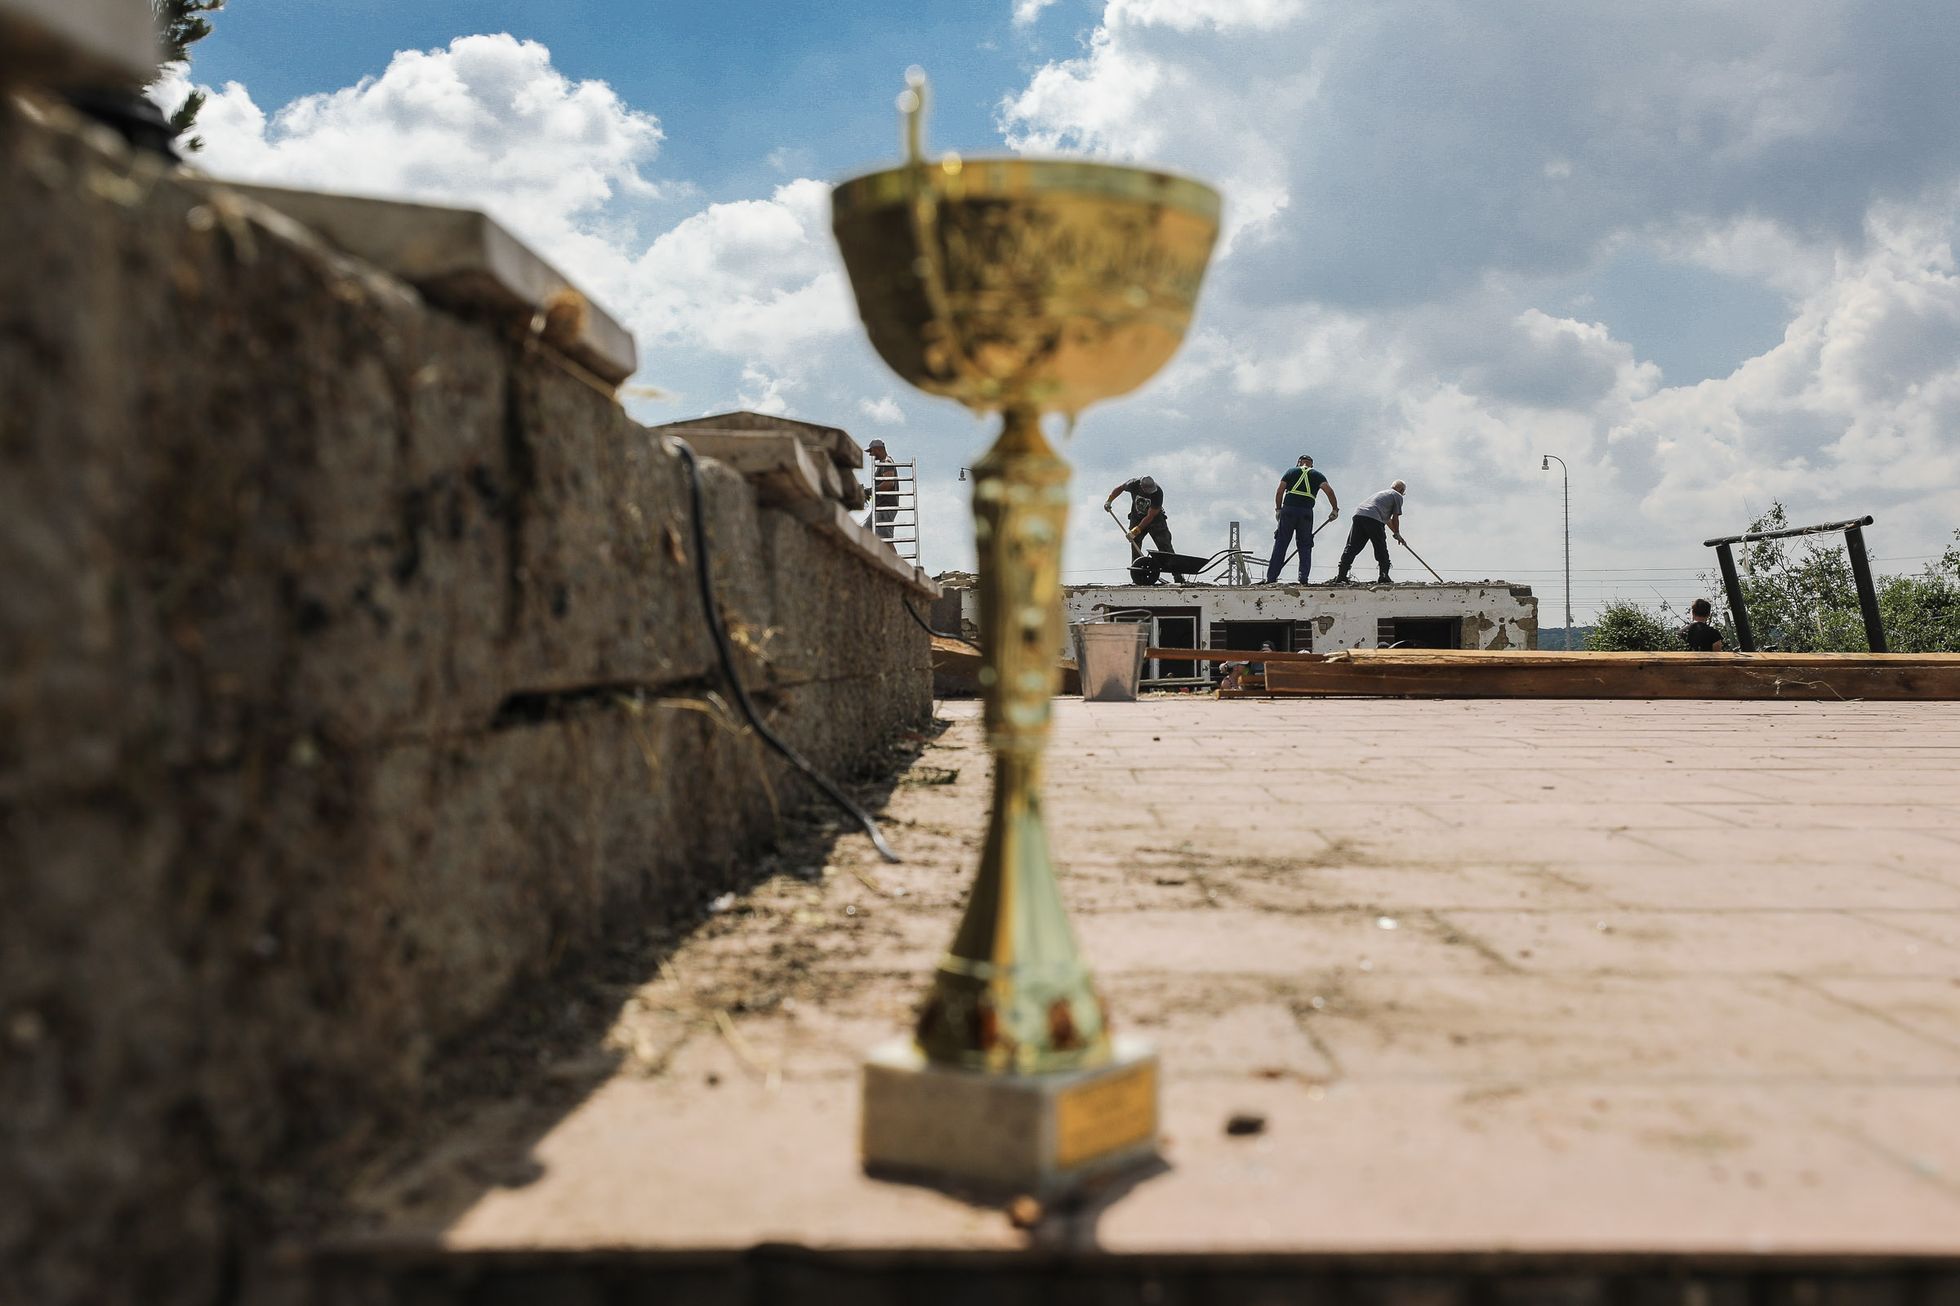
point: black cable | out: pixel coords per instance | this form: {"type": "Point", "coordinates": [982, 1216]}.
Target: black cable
{"type": "Point", "coordinates": [727, 655]}
{"type": "Point", "coordinates": [943, 634]}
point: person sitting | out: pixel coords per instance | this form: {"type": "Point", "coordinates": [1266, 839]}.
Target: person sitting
{"type": "Point", "coordinates": [1701, 634]}
{"type": "Point", "coordinates": [1246, 675]}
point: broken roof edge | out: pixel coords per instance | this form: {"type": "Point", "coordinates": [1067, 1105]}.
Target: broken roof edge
{"type": "Point", "coordinates": [783, 473]}
{"type": "Point", "coordinates": [843, 449]}
{"type": "Point", "coordinates": [459, 258]}
{"type": "Point", "coordinates": [1218, 587]}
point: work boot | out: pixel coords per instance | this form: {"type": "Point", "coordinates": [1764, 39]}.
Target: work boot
{"type": "Point", "coordinates": [1341, 578]}
{"type": "Point", "coordinates": [1384, 580]}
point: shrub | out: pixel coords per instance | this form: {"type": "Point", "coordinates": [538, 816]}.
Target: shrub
{"type": "Point", "coordinates": [1625, 627]}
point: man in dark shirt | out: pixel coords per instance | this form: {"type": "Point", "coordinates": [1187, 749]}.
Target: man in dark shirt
{"type": "Point", "coordinates": [1701, 635]}
{"type": "Point", "coordinates": [1293, 507]}
{"type": "Point", "coordinates": [1146, 516]}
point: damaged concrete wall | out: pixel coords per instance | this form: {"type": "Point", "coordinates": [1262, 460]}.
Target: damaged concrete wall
{"type": "Point", "coordinates": [1493, 614]}
{"type": "Point", "coordinates": [354, 672]}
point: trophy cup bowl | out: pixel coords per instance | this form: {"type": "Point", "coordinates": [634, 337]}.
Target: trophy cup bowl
{"type": "Point", "coordinates": [1025, 287]}
{"type": "Point", "coordinates": [1037, 282]}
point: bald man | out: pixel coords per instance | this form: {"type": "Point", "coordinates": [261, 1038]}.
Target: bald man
{"type": "Point", "coordinates": [1373, 523]}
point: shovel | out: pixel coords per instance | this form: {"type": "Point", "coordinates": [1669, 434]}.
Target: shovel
{"type": "Point", "coordinates": [1134, 548]}
{"type": "Point", "coordinates": [1418, 557]}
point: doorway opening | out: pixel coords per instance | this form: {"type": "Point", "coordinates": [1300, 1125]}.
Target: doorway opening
{"type": "Point", "coordinates": [1420, 632]}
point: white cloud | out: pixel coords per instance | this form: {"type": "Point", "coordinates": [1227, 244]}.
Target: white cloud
{"type": "Point", "coordinates": [743, 292]}
{"type": "Point", "coordinates": [1189, 15]}
{"type": "Point", "coordinates": [1026, 11]}
{"type": "Point", "coordinates": [486, 120]}
{"type": "Point", "coordinates": [1420, 200]}
{"type": "Point", "coordinates": [764, 391]}
{"type": "Point", "coordinates": [790, 160]}
{"type": "Point", "coordinates": [754, 278]}
{"type": "Point", "coordinates": [1413, 193]}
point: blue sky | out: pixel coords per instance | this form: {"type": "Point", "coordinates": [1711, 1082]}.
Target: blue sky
{"type": "Point", "coordinates": [1703, 252]}
{"type": "Point", "coordinates": [730, 82]}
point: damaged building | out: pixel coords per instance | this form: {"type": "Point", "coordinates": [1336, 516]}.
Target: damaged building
{"type": "Point", "coordinates": [1488, 614]}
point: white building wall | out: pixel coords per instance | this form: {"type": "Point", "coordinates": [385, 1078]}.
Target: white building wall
{"type": "Point", "coordinates": [1492, 614]}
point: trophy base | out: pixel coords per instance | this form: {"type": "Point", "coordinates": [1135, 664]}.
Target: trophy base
{"type": "Point", "coordinates": [1038, 1134]}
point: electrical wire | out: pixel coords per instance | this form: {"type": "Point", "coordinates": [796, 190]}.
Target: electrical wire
{"type": "Point", "coordinates": [726, 653]}
{"type": "Point", "coordinates": [943, 634]}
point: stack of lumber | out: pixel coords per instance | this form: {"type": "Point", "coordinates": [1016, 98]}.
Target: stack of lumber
{"type": "Point", "coordinates": [1475, 673]}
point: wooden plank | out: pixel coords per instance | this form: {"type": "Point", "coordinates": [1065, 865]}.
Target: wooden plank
{"type": "Point", "coordinates": [1523, 657]}
{"type": "Point", "coordinates": [1483, 674]}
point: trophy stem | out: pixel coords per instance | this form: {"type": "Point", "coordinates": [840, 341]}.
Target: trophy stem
{"type": "Point", "coordinates": [1012, 994]}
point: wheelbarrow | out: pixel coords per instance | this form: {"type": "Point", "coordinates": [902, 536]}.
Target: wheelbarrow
{"type": "Point", "coordinates": [1150, 568]}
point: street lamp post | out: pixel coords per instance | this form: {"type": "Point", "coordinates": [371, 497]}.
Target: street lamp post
{"type": "Point", "coordinates": [1545, 465]}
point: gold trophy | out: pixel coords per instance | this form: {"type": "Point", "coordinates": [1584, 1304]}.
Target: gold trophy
{"type": "Point", "coordinates": [1027, 287]}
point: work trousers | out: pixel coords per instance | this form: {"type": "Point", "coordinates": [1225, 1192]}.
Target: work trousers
{"type": "Point", "coordinates": [1159, 534]}
{"type": "Point", "coordinates": [1365, 531]}
{"type": "Point", "coordinates": [1295, 523]}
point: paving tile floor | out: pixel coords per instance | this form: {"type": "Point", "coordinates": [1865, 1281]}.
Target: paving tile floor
{"type": "Point", "coordinates": [1536, 975]}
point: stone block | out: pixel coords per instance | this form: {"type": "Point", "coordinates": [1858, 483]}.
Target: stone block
{"type": "Point", "coordinates": [461, 258]}
{"type": "Point", "coordinates": [832, 441]}
{"type": "Point", "coordinates": [77, 43]}
{"type": "Point", "coordinates": [781, 467]}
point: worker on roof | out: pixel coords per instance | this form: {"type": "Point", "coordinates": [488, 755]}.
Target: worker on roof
{"type": "Point", "coordinates": [1293, 509]}
{"type": "Point", "coordinates": [1146, 516]}
{"type": "Point", "coordinates": [1372, 524]}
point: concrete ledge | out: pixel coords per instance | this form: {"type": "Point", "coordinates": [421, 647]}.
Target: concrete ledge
{"type": "Point", "coordinates": [834, 441]}
{"type": "Point", "coordinates": [779, 465]}
{"type": "Point", "coordinates": [864, 542]}
{"type": "Point", "coordinates": [788, 478]}
{"type": "Point", "coordinates": [460, 258]}
{"type": "Point", "coordinates": [77, 43]}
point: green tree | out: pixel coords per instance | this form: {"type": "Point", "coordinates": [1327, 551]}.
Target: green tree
{"type": "Point", "coordinates": [1625, 627]}
{"type": "Point", "coordinates": [182, 24]}
{"type": "Point", "coordinates": [1922, 613]}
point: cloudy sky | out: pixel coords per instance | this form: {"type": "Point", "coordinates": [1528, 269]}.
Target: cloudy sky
{"type": "Point", "coordinates": [1704, 252]}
